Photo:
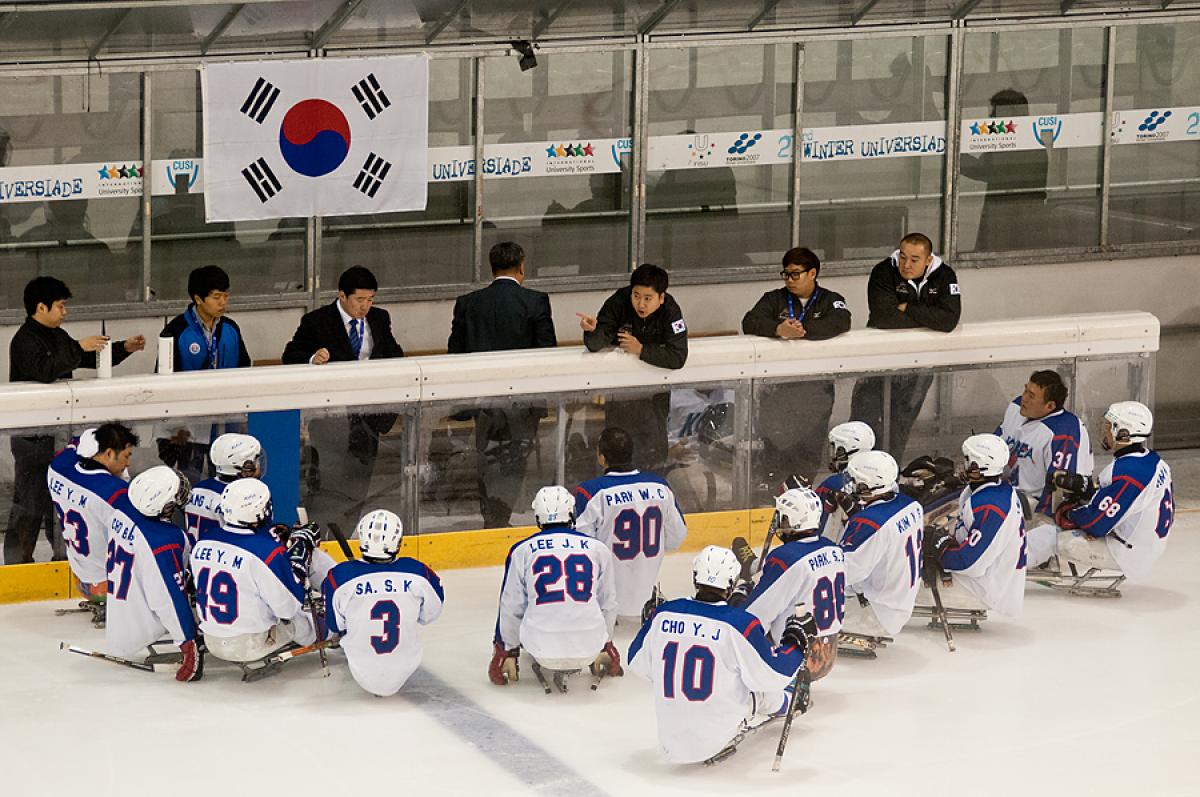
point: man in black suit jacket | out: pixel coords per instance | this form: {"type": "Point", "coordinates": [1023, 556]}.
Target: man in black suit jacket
{"type": "Point", "coordinates": [505, 315]}
{"type": "Point", "coordinates": [351, 328]}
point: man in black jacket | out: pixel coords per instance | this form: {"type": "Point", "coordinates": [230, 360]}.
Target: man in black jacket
{"type": "Point", "coordinates": [41, 351]}
{"type": "Point", "coordinates": [645, 321]}
{"type": "Point", "coordinates": [350, 328]}
{"type": "Point", "coordinates": [910, 289]}
{"type": "Point", "coordinates": [503, 316]}
{"type": "Point", "coordinates": [792, 417]}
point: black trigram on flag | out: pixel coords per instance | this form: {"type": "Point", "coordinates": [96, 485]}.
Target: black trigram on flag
{"type": "Point", "coordinates": [264, 182]}
{"type": "Point", "coordinates": [372, 175]}
{"type": "Point", "coordinates": [260, 100]}
{"type": "Point", "coordinates": [370, 96]}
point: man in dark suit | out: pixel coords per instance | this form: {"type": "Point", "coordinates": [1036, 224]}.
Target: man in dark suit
{"type": "Point", "coordinates": [503, 316]}
{"type": "Point", "coordinates": [351, 328]}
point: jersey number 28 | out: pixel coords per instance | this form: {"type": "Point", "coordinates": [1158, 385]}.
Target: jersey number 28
{"type": "Point", "coordinates": [549, 571]}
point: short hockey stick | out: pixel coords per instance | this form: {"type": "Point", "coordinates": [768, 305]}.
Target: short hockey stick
{"type": "Point", "coordinates": [800, 686]}
{"type": "Point", "coordinates": [135, 665]}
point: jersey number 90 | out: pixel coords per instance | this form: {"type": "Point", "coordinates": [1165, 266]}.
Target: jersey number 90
{"type": "Point", "coordinates": [634, 533]}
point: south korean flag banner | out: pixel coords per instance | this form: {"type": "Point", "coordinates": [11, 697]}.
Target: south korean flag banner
{"type": "Point", "coordinates": [315, 137]}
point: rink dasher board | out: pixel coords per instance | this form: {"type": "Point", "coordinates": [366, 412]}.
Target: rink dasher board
{"type": "Point", "coordinates": [471, 377]}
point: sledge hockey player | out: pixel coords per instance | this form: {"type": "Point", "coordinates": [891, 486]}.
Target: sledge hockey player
{"type": "Point", "coordinates": [1123, 524]}
{"type": "Point", "coordinates": [714, 673]}
{"type": "Point", "coordinates": [635, 514]}
{"type": "Point", "coordinates": [558, 599]}
{"type": "Point", "coordinates": [375, 605]}
{"type": "Point", "coordinates": [882, 545]}
{"type": "Point", "coordinates": [147, 569]}
{"type": "Point", "coordinates": [805, 569]}
{"type": "Point", "coordinates": [985, 553]}
{"type": "Point", "coordinates": [1043, 438]}
{"type": "Point", "coordinates": [235, 456]}
{"type": "Point", "coordinates": [845, 440]}
{"type": "Point", "coordinates": [84, 482]}
{"type": "Point", "coordinates": [249, 590]}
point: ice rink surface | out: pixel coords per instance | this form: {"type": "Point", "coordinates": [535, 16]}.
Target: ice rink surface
{"type": "Point", "coordinates": [1082, 696]}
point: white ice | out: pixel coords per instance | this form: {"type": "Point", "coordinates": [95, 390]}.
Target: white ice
{"type": "Point", "coordinates": [1081, 696]}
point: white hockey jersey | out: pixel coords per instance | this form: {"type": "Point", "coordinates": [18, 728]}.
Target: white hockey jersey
{"type": "Point", "coordinates": [704, 660]}
{"type": "Point", "coordinates": [147, 569]}
{"type": "Point", "coordinates": [832, 522]}
{"type": "Point", "coordinates": [1036, 447]}
{"type": "Point", "coordinates": [988, 560]}
{"type": "Point", "coordinates": [376, 608]}
{"type": "Point", "coordinates": [201, 510]}
{"type": "Point", "coordinates": [811, 571]}
{"type": "Point", "coordinates": [1134, 508]}
{"type": "Point", "coordinates": [83, 494]}
{"type": "Point", "coordinates": [558, 599]}
{"type": "Point", "coordinates": [882, 544]}
{"type": "Point", "coordinates": [245, 585]}
{"type": "Point", "coordinates": [635, 514]}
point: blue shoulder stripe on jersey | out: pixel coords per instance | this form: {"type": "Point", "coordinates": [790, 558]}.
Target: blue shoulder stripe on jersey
{"type": "Point", "coordinates": [348, 571]}
{"type": "Point", "coordinates": [101, 482]}
{"type": "Point", "coordinates": [863, 524]}
{"type": "Point", "coordinates": [783, 557]}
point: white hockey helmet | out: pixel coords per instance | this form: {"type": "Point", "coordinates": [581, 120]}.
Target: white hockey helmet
{"type": "Point", "coordinates": [715, 567]}
{"type": "Point", "coordinates": [870, 473]}
{"type": "Point", "coordinates": [1130, 421]}
{"type": "Point", "coordinates": [246, 504]}
{"type": "Point", "coordinates": [158, 492]}
{"type": "Point", "coordinates": [798, 509]}
{"type": "Point", "coordinates": [553, 506]}
{"type": "Point", "coordinates": [847, 439]}
{"type": "Point", "coordinates": [379, 534]}
{"type": "Point", "coordinates": [984, 455]}
{"type": "Point", "coordinates": [236, 454]}
{"type": "Point", "coordinates": [87, 445]}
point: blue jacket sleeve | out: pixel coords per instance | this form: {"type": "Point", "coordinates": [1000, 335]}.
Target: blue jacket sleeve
{"type": "Point", "coordinates": [328, 587]}
{"type": "Point", "coordinates": [987, 521]}
{"type": "Point", "coordinates": [170, 566]}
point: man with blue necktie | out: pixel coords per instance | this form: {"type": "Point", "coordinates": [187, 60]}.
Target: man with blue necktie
{"type": "Point", "coordinates": [348, 329]}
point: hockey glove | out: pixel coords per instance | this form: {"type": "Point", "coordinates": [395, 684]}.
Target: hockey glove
{"type": "Point", "coordinates": [1076, 486]}
{"type": "Point", "coordinates": [844, 501]}
{"type": "Point", "coordinates": [937, 540]}
{"type": "Point", "coordinates": [740, 592]}
{"type": "Point", "coordinates": [1062, 518]}
{"type": "Point", "coordinates": [608, 660]}
{"type": "Point", "coordinates": [799, 630]}
{"type": "Point", "coordinates": [281, 533]}
{"type": "Point", "coordinates": [652, 605]}
{"type": "Point", "coordinates": [301, 542]}
{"type": "Point", "coordinates": [192, 666]}
{"type": "Point", "coordinates": [905, 293]}
{"type": "Point", "coordinates": [504, 668]}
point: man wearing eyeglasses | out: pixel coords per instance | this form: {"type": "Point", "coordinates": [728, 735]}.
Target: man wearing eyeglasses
{"type": "Point", "coordinates": [792, 418]}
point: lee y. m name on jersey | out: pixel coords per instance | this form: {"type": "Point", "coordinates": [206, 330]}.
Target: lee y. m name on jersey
{"type": "Point", "coordinates": [882, 544]}
{"type": "Point", "coordinates": [244, 583]}
{"type": "Point", "coordinates": [810, 570]}
{"type": "Point", "coordinates": [83, 498]}
{"type": "Point", "coordinates": [988, 560]}
{"type": "Point", "coordinates": [636, 515]}
{"type": "Point", "coordinates": [376, 607]}
{"type": "Point", "coordinates": [1134, 508]}
{"type": "Point", "coordinates": [558, 599]}
{"type": "Point", "coordinates": [704, 661]}
{"type": "Point", "coordinates": [1058, 441]}
{"type": "Point", "coordinates": [146, 576]}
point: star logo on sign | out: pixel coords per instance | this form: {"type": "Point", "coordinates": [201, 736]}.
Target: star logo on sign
{"type": "Point", "coordinates": [562, 152]}
{"type": "Point", "coordinates": [104, 172]}
{"type": "Point", "coordinates": [1009, 127]}
{"type": "Point", "coordinates": [588, 150]}
{"type": "Point", "coordinates": [975, 128]}
{"type": "Point", "coordinates": [551, 152]}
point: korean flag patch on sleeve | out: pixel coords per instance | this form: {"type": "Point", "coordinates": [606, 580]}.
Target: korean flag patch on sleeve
{"type": "Point", "coordinates": [678, 326]}
{"type": "Point", "coordinates": [839, 305]}
{"type": "Point", "coordinates": [954, 290]}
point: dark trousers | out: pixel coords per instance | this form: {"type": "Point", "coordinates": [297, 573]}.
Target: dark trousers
{"type": "Point", "coordinates": [345, 450]}
{"type": "Point", "coordinates": [645, 419]}
{"type": "Point", "coordinates": [792, 422]}
{"type": "Point", "coordinates": [31, 507]}
{"type": "Point", "coordinates": [504, 438]}
{"type": "Point", "coordinates": [908, 396]}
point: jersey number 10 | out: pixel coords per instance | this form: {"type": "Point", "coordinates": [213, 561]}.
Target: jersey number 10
{"type": "Point", "coordinates": [699, 668]}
